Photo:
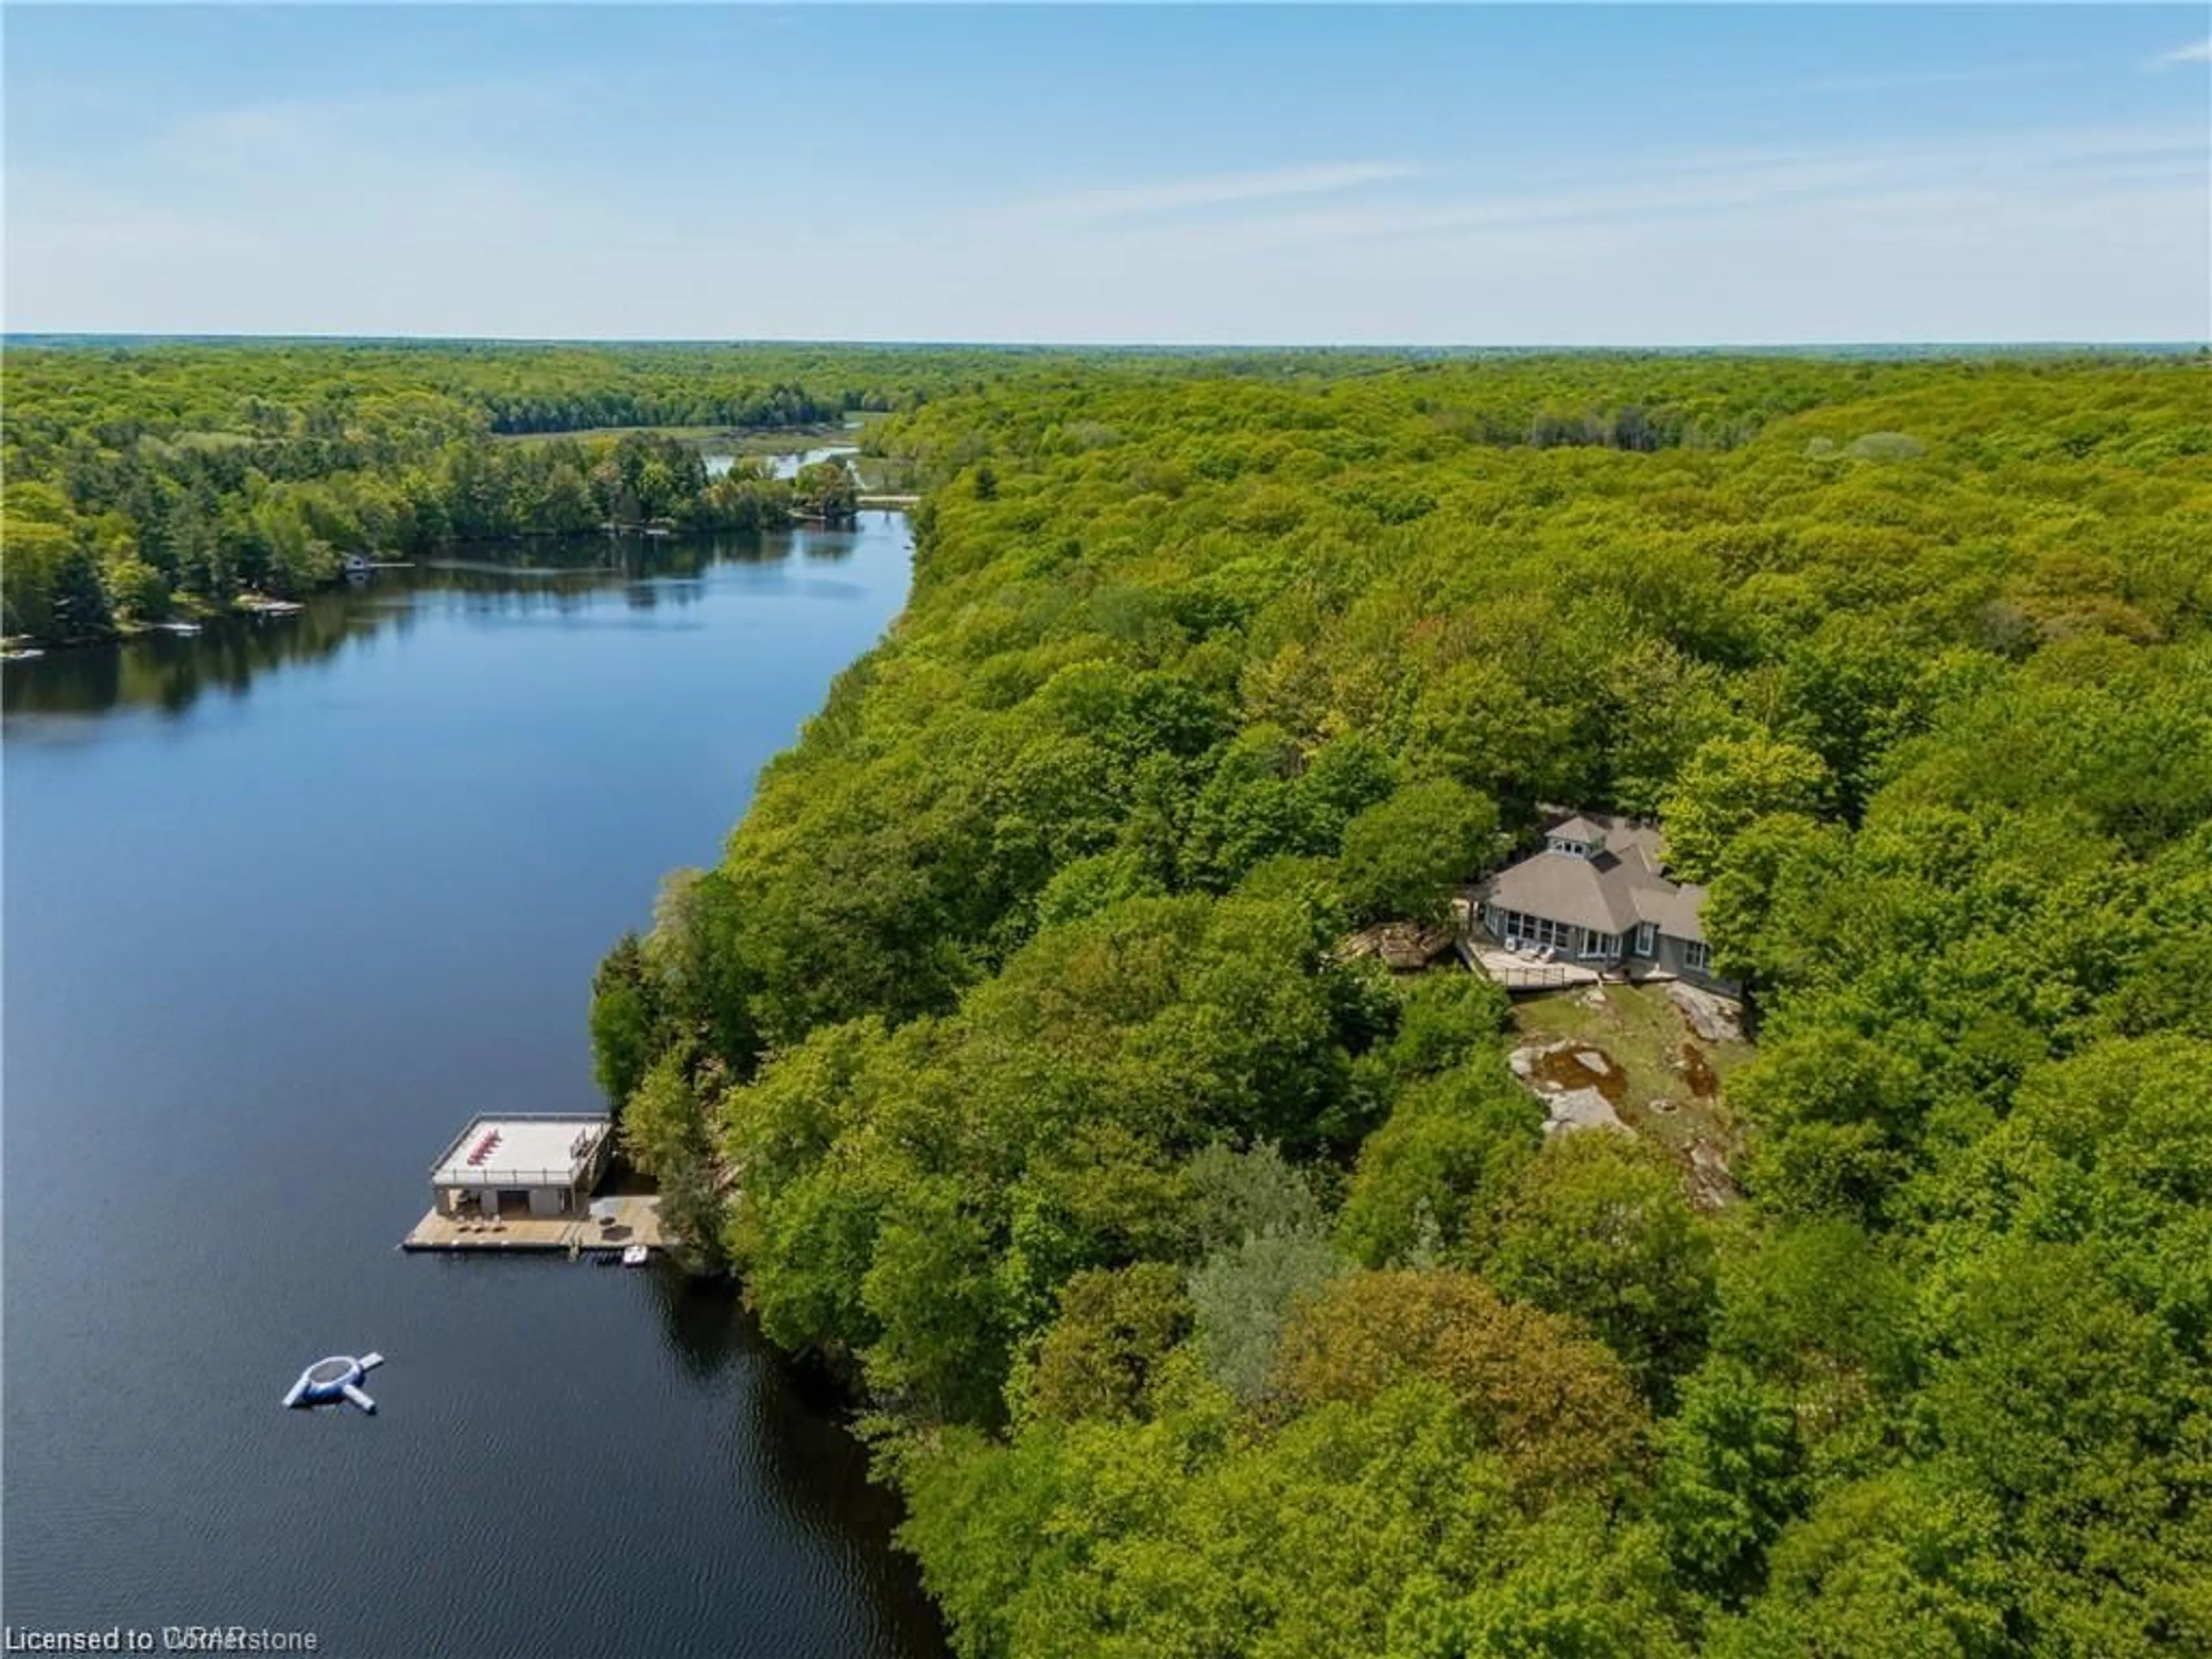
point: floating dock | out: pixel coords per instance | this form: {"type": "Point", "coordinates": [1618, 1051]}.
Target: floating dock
{"type": "Point", "coordinates": [637, 1221]}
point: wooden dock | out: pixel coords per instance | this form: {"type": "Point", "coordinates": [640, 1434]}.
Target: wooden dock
{"type": "Point", "coordinates": [637, 1221]}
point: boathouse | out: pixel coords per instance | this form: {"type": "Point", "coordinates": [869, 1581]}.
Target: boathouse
{"type": "Point", "coordinates": [539, 1163]}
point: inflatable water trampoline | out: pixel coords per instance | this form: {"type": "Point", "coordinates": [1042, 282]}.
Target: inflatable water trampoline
{"type": "Point", "coordinates": [327, 1382]}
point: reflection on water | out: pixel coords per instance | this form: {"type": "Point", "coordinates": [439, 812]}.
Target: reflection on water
{"type": "Point", "coordinates": [784, 465]}
{"type": "Point", "coordinates": [286, 903]}
{"type": "Point", "coordinates": [570, 579]}
{"type": "Point", "coordinates": [702, 1321]}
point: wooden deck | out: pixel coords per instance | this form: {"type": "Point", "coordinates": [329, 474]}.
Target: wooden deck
{"type": "Point", "coordinates": [1527, 973]}
{"type": "Point", "coordinates": [637, 1221]}
{"type": "Point", "coordinates": [1524, 971]}
{"type": "Point", "coordinates": [1520, 973]}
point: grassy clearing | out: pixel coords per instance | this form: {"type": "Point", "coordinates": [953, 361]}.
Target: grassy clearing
{"type": "Point", "coordinates": [884, 474]}
{"type": "Point", "coordinates": [1672, 1087]}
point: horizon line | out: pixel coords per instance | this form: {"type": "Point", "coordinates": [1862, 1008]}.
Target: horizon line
{"type": "Point", "coordinates": [12, 336]}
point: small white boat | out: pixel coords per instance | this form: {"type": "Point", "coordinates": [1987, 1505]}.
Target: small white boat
{"type": "Point", "coordinates": [178, 627]}
{"type": "Point", "coordinates": [635, 1255]}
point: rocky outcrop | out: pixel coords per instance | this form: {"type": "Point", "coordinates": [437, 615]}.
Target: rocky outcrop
{"type": "Point", "coordinates": [1580, 1108]}
{"type": "Point", "coordinates": [1573, 1080]}
{"type": "Point", "coordinates": [1404, 947]}
{"type": "Point", "coordinates": [1712, 1184]}
{"type": "Point", "coordinates": [1714, 1018]}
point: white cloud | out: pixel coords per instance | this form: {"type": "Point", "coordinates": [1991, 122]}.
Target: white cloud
{"type": "Point", "coordinates": [2196, 52]}
{"type": "Point", "coordinates": [2072, 233]}
{"type": "Point", "coordinates": [1224, 190]}
{"type": "Point", "coordinates": [1746, 185]}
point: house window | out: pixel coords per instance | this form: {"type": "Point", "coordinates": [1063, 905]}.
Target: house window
{"type": "Point", "coordinates": [1541, 930]}
{"type": "Point", "coordinates": [1697, 956]}
{"type": "Point", "coordinates": [1647, 937]}
{"type": "Point", "coordinates": [1601, 945]}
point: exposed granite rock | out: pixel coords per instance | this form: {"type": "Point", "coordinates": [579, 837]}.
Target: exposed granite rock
{"type": "Point", "coordinates": [1711, 1183]}
{"type": "Point", "coordinates": [1581, 1109]}
{"type": "Point", "coordinates": [1714, 1018]}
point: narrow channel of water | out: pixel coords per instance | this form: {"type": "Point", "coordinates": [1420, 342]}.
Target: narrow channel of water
{"type": "Point", "coordinates": [784, 465]}
{"type": "Point", "coordinates": [285, 903]}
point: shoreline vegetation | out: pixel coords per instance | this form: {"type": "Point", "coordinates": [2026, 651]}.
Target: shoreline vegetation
{"type": "Point", "coordinates": [1203, 1292]}
{"type": "Point", "coordinates": [157, 481]}
{"type": "Point", "coordinates": [747, 501]}
{"type": "Point", "coordinates": [643, 483]}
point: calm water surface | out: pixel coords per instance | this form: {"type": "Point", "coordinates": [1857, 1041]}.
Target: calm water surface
{"type": "Point", "coordinates": [784, 465]}
{"type": "Point", "coordinates": [285, 903]}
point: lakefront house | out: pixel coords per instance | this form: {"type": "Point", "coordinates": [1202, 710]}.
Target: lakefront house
{"type": "Point", "coordinates": [1597, 897]}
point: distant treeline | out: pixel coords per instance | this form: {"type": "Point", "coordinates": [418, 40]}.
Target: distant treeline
{"type": "Point", "coordinates": [145, 476]}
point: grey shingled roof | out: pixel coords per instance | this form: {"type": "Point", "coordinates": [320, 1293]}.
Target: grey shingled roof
{"type": "Point", "coordinates": [1582, 828]}
{"type": "Point", "coordinates": [1611, 892]}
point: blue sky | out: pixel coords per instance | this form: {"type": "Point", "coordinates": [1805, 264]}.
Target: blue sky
{"type": "Point", "coordinates": [1563, 175]}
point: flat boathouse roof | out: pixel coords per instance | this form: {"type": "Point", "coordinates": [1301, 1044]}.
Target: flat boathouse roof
{"type": "Point", "coordinates": [527, 1149]}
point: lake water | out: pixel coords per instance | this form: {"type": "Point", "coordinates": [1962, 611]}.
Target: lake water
{"type": "Point", "coordinates": [285, 903]}
{"type": "Point", "coordinates": [784, 465]}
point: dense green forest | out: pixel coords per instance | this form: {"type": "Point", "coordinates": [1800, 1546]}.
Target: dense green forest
{"type": "Point", "coordinates": [151, 479]}
{"type": "Point", "coordinates": [1212, 1294]}
{"type": "Point", "coordinates": [147, 480]}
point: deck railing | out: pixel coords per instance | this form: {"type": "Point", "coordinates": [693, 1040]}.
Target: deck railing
{"type": "Point", "coordinates": [452, 1147]}
{"type": "Point", "coordinates": [1536, 976]}
{"type": "Point", "coordinates": [466, 1177]}
{"type": "Point", "coordinates": [1517, 971]}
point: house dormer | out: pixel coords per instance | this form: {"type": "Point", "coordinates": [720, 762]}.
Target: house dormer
{"type": "Point", "coordinates": [1578, 837]}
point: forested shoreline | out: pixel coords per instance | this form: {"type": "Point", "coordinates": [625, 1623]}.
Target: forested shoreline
{"type": "Point", "coordinates": [1210, 1293]}
{"type": "Point", "coordinates": [166, 479]}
